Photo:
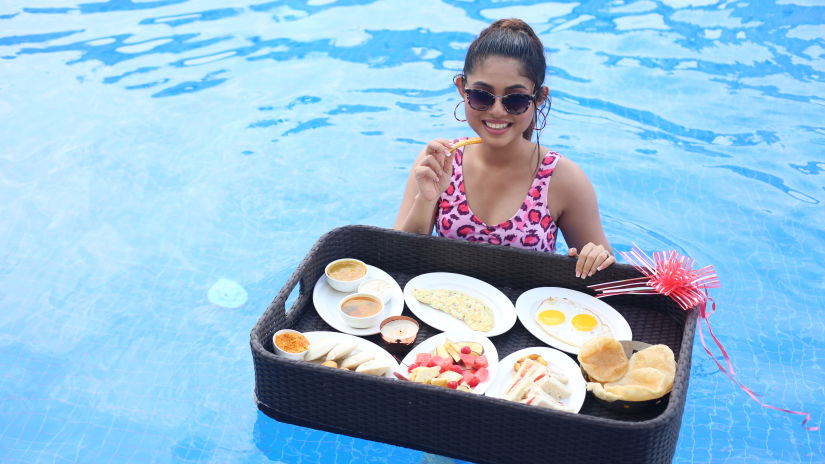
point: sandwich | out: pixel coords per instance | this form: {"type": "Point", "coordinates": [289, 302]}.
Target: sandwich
{"type": "Point", "coordinates": [535, 383]}
{"type": "Point", "coordinates": [537, 397]}
{"type": "Point", "coordinates": [551, 386]}
{"type": "Point", "coordinates": [523, 379]}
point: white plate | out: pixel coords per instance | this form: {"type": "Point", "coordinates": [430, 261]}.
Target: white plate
{"type": "Point", "coordinates": [326, 300]}
{"type": "Point", "coordinates": [556, 360]}
{"type": "Point", "coordinates": [463, 335]}
{"type": "Point", "coordinates": [504, 313]}
{"type": "Point", "coordinates": [528, 303]}
{"type": "Point", "coordinates": [363, 345]}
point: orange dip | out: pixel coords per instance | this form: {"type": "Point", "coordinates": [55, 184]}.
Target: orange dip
{"type": "Point", "coordinates": [292, 342]}
{"type": "Point", "coordinates": [361, 306]}
{"type": "Point", "coordinates": [347, 270]}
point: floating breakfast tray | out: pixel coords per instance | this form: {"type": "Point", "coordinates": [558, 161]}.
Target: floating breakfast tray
{"type": "Point", "coordinates": [458, 424]}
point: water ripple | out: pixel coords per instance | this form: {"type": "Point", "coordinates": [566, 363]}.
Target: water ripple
{"type": "Point", "coordinates": [772, 180]}
{"type": "Point", "coordinates": [206, 82]}
{"type": "Point", "coordinates": [124, 5]}
{"type": "Point", "coordinates": [35, 38]}
{"type": "Point", "coordinates": [186, 18]}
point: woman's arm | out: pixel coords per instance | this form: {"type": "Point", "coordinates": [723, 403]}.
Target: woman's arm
{"type": "Point", "coordinates": [429, 177]}
{"type": "Point", "coordinates": [579, 220]}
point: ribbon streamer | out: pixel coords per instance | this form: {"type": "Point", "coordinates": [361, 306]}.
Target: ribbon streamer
{"type": "Point", "coordinates": [672, 275]}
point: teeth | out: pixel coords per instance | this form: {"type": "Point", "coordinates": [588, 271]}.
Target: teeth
{"type": "Point", "coordinates": [496, 126]}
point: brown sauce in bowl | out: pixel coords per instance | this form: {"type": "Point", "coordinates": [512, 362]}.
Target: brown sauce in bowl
{"type": "Point", "coordinates": [361, 306]}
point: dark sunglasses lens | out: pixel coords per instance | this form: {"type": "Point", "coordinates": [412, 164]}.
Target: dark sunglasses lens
{"type": "Point", "coordinates": [516, 103]}
{"type": "Point", "coordinates": [480, 100]}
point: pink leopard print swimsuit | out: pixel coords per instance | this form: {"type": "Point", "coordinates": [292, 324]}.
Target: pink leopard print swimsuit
{"type": "Point", "coordinates": [531, 227]}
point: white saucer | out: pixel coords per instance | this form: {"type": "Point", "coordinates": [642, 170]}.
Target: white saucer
{"type": "Point", "coordinates": [326, 300]}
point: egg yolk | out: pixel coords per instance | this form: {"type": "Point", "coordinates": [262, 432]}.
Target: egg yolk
{"type": "Point", "coordinates": [551, 317]}
{"type": "Point", "coordinates": [584, 322]}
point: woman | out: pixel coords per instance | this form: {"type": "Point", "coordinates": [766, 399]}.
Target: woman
{"type": "Point", "coordinates": [500, 191]}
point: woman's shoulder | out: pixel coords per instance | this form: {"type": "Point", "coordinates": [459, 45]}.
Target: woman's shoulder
{"type": "Point", "coordinates": [568, 176]}
{"type": "Point", "coordinates": [565, 165]}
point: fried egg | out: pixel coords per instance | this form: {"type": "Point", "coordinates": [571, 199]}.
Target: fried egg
{"type": "Point", "coordinates": [570, 322]}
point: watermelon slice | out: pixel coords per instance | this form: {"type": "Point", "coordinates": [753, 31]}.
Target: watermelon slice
{"type": "Point", "coordinates": [473, 382]}
{"type": "Point", "coordinates": [468, 376]}
{"type": "Point", "coordinates": [480, 362]}
{"type": "Point", "coordinates": [468, 359]}
{"type": "Point", "coordinates": [483, 374]}
{"type": "Point", "coordinates": [422, 359]}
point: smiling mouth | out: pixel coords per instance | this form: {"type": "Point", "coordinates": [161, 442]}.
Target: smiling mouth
{"type": "Point", "coordinates": [493, 125]}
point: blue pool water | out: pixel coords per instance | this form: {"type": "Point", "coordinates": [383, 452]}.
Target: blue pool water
{"type": "Point", "coordinates": [166, 164]}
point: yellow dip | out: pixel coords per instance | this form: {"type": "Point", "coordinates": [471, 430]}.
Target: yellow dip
{"type": "Point", "coordinates": [347, 270]}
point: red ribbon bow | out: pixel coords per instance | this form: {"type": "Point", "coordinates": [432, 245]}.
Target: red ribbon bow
{"type": "Point", "coordinates": [672, 275]}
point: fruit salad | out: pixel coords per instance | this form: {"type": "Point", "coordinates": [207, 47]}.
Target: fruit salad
{"type": "Point", "coordinates": [455, 365]}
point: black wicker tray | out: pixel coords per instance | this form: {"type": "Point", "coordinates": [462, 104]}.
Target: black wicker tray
{"type": "Point", "coordinates": [457, 424]}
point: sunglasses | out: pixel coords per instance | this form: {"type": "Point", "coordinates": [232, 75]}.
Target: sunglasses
{"type": "Point", "coordinates": [514, 103]}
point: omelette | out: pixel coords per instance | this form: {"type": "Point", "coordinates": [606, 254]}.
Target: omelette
{"type": "Point", "coordinates": [472, 311]}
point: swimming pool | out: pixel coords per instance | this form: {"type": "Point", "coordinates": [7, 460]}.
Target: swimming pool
{"type": "Point", "coordinates": [166, 164]}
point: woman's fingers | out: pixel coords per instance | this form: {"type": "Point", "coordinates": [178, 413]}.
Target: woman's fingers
{"type": "Point", "coordinates": [607, 262]}
{"type": "Point", "coordinates": [593, 258]}
{"type": "Point", "coordinates": [431, 163]}
{"type": "Point", "coordinates": [585, 261]}
{"type": "Point", "coordinates": [438, 157]}
{"type": "Point", "coordinates": [444, 143]}
{"type": "Point", "coordinates": [447, 166]}
{"type": "Point", "coordinates": [426, 173]}
{"type": "Point", "coordinates": [439, 149]}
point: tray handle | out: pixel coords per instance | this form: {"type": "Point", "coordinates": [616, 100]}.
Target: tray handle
{"type": "Point", "coordinates": [279, 303]}
{"type": "Point", "coordinates": [276, 315]}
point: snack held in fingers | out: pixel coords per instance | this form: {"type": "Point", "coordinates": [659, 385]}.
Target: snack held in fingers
{"type": "Point", "coordinates": [465, 142]}
{"type": "Point", "coordinates": [472, 311]}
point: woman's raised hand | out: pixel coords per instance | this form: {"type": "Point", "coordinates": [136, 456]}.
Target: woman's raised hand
{"type": "Point", "coordinates": [592, 259]}
{"type": "Point", "coordinates": [433, 172]}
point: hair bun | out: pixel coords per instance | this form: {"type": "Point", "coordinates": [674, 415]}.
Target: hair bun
{"type": "Point", "coordinates": [512, 24]}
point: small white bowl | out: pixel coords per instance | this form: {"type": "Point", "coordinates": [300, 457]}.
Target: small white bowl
{"type": "Point", "coordinates": [362, 322]}
{"type": "Point", "coordinates": [378, 287]}
{"type": "Point", "coordinates": [287, 354]}
{"type": "Point", "coordinates": [345, 285]}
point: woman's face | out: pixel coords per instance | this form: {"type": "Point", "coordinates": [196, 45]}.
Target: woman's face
{"type": "Point", "coordinates": [500, 76]}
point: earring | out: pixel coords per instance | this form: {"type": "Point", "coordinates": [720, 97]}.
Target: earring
{"type": "Point", "coordinates": [544, 111]}
{"type": "Point", "coordinates": [456, 110]}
